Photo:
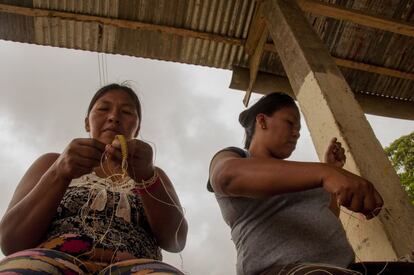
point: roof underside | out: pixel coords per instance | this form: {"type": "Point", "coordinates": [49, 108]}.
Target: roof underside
{"type": "Point", "coordinates": [229, 18]}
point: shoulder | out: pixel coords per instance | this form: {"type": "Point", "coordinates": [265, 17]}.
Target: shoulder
{"type": "Point", "coordinates": [221, 156]}
{"type": "Point", "coordinates": [230, 151]}
{"type": "Point", "coordinates": [33, 175]}
{"type": "Point", "coordinates": [42, 164]}
{"type": "Point", "coordinates": [38, 168]}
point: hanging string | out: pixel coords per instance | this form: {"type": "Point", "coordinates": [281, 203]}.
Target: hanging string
{"type": "Point", "coordinates": [103, 69]}
{"type": "Point", "coordinates": [116, 183]}
{"type": "Point", "coordinates": [106, 68]}
{"type": "Point", "coordinates": [99, 70]}
{"type": "Point", "coordinates": [352, 216]}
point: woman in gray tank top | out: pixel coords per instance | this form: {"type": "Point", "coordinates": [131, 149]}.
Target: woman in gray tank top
{"type": "Point", "coordinates": [283, 214]}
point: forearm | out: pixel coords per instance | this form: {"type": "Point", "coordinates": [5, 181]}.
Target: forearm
{"type": "Point", "coordinates": [25, 224]}
{"type": "Point", "coordinates": [261, 178]}
{"type": "Point", "coordinates": [165, 216]}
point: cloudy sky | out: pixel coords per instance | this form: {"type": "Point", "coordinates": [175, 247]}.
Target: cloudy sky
{"type": "Point", "coordinates": [188, 114]}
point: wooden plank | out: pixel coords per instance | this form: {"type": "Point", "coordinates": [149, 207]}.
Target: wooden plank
{"type": "Point", "coordinates": [254, 63]}
{"type": "Point", "coordinates": [374, 105]}
{"type": "Point", "coordinates": [347, 63]}
{"type": "Point", "coordinates": [331, 110]}
{"type": "Point", "coordinates": [372, 68]}
{"type": "Point", "coordinates": [256, 28]}
{"type": "Point", "coordinates": [136, 25]}
{"type": "Point", "coordinates": [358, 17]}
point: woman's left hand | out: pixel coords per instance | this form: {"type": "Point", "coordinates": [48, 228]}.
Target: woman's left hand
{"type": "Point", "coordinates": [140, 158]}
{"type": "Point", "coordinates": [335, 154]}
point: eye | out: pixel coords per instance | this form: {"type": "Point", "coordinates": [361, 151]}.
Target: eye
{"type": "Point", "coordinates": [102, 109]}
{"type": "Point", "coordinates": [127, 112]}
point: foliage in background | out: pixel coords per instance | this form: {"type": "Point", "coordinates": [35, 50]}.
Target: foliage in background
{"type": "Point", "coordinates": [401, 155]}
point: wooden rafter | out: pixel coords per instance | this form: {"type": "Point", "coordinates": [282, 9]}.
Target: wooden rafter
{"type": "Point", "coordinates": [356, 16]}
{"type": "Point", "coordinates": [375, 105]}
{"type": "Point", "coordinates": [256, 40]}
{"type": "Point", "coordinates": [136, 25]}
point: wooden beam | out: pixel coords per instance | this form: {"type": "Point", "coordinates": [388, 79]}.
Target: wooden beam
{"type": "Point", "coordinates": [136, 25]}
{"type": "Point", "coordinates": [256, 29]}
{"type": "Point", "coordinates": [356, 16]}
{"type": "Point", "coordinates": [372, 68]}
{"type": "Point", "coordinates": [254, 62]}
{"type": "Point", "coordinates": [360, 66]}
{"type": "Point", "coordinates": [331, 110]}
{"type": "Point", "coordinates": [256, 39]}
{"type": "Point", "coordinates": [375, 105]}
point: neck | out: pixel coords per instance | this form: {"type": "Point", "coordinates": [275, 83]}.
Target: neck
{"type": "Point", "coordinates": [257, 150]}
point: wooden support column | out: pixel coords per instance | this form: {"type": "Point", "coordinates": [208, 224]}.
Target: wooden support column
{"type": "Point", "coordinates": [331, 110]}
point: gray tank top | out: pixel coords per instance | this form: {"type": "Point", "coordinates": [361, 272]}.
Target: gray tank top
{"type": "Point", "coordinates": [289, 228]}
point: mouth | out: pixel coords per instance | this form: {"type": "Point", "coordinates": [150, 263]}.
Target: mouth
{"type": "Point", "coordinates": [112, 130]}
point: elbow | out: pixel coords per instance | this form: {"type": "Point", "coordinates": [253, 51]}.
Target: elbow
{"type": "Point", "coordinates": [176, 243]}
{"type": "Point", "coordinates": [5, 248]}
{"type": "Point", "coordinates": [12, 241]}
{"type": "Point", "coordinates": [5, 244]}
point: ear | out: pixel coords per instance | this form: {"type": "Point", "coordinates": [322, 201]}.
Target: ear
{"type": "Point", "coordinates": [87, 128]}
{"type": "Point", "coordinates": [261, 121]}
{"type": "Point", "coordinates": [137, 131]}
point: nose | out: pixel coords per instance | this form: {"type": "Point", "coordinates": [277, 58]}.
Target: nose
{"type": "Point", "coordinates": [296, 133]}
{"type": "Point", "coordinates": [113, 117]}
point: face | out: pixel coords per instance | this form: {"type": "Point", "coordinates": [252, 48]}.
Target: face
{"type": "Point", "coordinates": [281, 131]}
{"type": "Point", "coordinates": [113, 114]}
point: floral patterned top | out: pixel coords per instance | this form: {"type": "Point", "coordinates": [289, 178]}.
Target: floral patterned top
{"type": "Point", "coordinates": [109, 214]}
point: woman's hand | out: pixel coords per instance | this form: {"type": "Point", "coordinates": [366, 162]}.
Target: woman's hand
{"type": "Point", "coordinates": [79, 158]}
{"type": "Point", "coordinates": [353, 192]}
{"type": "Point", "coordinates": [335, 154]}
{"type": "Point", "coordinates": [140, 158]}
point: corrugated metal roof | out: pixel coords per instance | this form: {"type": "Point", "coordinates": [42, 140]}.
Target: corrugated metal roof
{"type": "Point", "coordinates": [230, 18]}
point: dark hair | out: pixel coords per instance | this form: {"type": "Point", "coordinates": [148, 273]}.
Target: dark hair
{"type": "Point", "coordinates": [266, 105]}
{"type": "Point", "coordinates": [114, 86]}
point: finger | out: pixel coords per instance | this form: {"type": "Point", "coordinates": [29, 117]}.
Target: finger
{"type": "Point", "coordinates": [340, 156]}
{"type": "Point", "coordinates": [138, 148]}
{"type": "Point", "coordinates": [331, 146]}
{"type": "Point", "coordinates": [344, 198]}
{"type": "Point", "coordinates": [91, 143]}
{"type": "Point", "coordinates": [89, 152]}
{"type": "Point", "coordinates": [379, 202]}
{"type": "Point", "coordinates": [113, 152]}
{"type": "Point", "coordinates": [369, 204]}
{"type": "Point", "coordinates": [86, 163]}
{"type": "Point", "coordinates": [357, 203]}
{"type": "Point", "coordinates": [116, 143]}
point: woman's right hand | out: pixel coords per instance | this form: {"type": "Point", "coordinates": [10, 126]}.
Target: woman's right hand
{"type": "Point", "coordinates": [353, 192]}
{"type": "Point", "coordinates": [79, 158]}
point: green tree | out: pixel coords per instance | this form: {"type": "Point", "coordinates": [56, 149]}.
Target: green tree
{"type": "Point", "coordinates": [401, 155]}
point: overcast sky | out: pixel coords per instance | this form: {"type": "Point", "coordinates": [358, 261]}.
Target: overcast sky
{"type": "Point", "coordinates": [188, 114]}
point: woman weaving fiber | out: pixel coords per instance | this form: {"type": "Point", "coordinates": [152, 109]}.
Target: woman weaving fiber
{"type": "Point", "coordinates": [100, 206]}
{"type": "Point", "coordinates": [283, 214]}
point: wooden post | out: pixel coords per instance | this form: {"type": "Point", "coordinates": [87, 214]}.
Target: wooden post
{"type": "Point", "coordinates": [331, 110]}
